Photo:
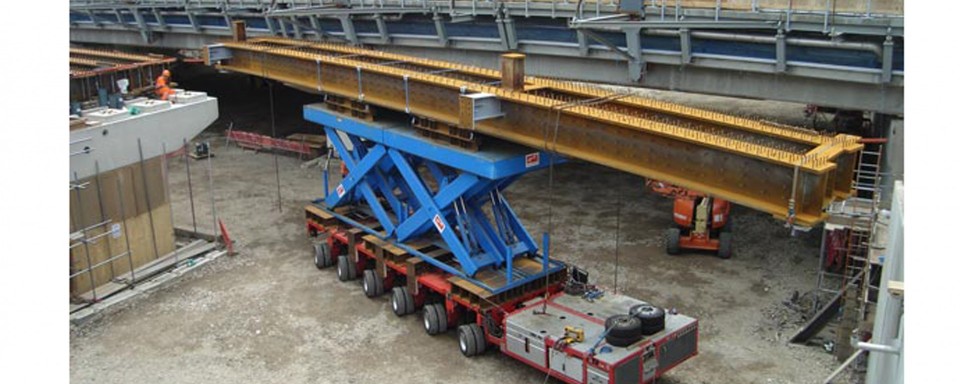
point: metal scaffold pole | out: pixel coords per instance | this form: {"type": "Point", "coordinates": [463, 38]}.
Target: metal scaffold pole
{"type": "Point", "coordinates": [213, 202]}
{"type": "Point", "coordinates": [186, 161]}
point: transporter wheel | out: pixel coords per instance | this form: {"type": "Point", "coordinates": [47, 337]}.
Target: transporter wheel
{"type": "Point", "coordinates": [472, 341]}
{"type": "Point", "coordinates": [434, 319]}
{"type": "Point", "coordinates": [372, 284]}
{"type": "Point", "coordinates": [346, 270]}
{"type": "Point", "coordinates": [652, 317]}
{"type": "Point", "coordinates": [401, 301]}
{"type": "Point", "coordinates": [624, 330]}
{"type": "Point", "coordinates": [321, 255]}
{"type": "Point", "coordinates": [726, 245]}
{"type": "Point", "coordinates": [673, 241]}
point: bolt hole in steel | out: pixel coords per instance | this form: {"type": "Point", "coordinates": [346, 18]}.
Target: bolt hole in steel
{"type": "Point", "coordinates": [105, 132]}
{"type": "Point", "coordinates": [563, 317]}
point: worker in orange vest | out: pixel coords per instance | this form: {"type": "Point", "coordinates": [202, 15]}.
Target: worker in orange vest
{"type": "Point", "coordinates": [163, 85]}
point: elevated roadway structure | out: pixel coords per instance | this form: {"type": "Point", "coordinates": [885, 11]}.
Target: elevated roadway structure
{"type": "Point", "coordinates": [844, 54]}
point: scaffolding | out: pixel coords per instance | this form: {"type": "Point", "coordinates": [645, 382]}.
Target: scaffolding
{"type": "Point", "coordinates": [853, 240]}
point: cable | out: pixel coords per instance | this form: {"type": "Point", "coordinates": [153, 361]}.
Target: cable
{"type": "Point", "coordinates": [553, 154]}
{"type": "Point", "coordinates": [616, 246]}
{"type": "Point", "coordinates": [547, 376]}
{"type": "Point", "coordinates": [273, 127]}
{"type": "Point", "coordinates": [276, 155]}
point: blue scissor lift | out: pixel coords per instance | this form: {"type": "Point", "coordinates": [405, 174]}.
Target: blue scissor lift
{"type": "Point", "coordinates": [429, 221]}
{"type": "Point", "coordinates": [422, 191]}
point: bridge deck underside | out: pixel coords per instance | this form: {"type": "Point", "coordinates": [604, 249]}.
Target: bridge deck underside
{"type": "Point", "coordinates": [844, 54]}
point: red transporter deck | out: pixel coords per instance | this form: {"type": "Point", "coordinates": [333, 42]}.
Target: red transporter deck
{"type": "Point", "coordinates": [518, 321]}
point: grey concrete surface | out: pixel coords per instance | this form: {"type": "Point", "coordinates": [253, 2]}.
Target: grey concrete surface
{"type": "Point", "coordinates": [268, 315]}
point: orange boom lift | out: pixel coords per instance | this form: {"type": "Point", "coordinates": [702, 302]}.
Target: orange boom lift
{"type": "Point", "coordinates": [701, 221]}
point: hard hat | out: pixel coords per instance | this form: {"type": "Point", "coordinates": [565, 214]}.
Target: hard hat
{"type": "Point", "coordinates": [166, 72]}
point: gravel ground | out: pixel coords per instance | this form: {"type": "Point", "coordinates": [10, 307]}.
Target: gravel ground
{"type": "Point", "coordinates": [268, 315]}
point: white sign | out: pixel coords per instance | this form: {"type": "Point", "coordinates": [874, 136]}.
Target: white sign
{"type": "Point", "coordinates": [532, 159]}
{"type": "Point", "coordinates": [341, 190]}
{"type": "Point", "coordinates": [115, 230]}
{"type": "Point", "coordinates": [438, 222]}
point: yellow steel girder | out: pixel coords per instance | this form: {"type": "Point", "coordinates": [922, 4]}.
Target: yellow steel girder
{"type": "Point", "coordinates": [786, 171]}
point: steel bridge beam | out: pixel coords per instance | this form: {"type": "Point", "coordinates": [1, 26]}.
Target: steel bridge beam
{"type": "Point", "coordinates": [786, 172]}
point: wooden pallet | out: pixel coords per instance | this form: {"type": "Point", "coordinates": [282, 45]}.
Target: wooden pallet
{"type": "Point", "coordinates": [447, 133]}
{"type": "Point", "coordinates": [319, 217]}
{"type": "Point", "coordinates": [317, 143]}
{"type": "Point", "coordinates": [483, 298]}
{"type": "Point", "coordinates": [386, 253]}
{"type": "Point", "coordinates": [353, 108]}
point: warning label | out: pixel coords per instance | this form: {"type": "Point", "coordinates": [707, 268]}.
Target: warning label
{"type": "Point", "coordinates": [341, 190]}
{"type": "Point", "coordinates": [438, 222]}
{"type": "Point", "coordinates": [532, 159]}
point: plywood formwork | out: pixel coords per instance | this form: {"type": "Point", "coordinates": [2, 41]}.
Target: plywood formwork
{"type": "Point", "coordinates": [124, 197]}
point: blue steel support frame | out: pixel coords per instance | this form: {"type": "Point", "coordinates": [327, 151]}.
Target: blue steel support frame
{"type": "Point", "coordinates": [386, 168]}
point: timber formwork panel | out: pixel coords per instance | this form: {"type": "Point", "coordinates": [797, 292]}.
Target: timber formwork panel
{"type": "Point", "coordinates": [786, 171]}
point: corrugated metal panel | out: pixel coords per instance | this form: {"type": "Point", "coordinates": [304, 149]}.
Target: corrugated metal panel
{"type": "Point", "coordinates": [678, 349]}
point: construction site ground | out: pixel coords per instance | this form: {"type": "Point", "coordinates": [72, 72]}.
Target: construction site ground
{"type": "Point", "coordinates": [268, 315]}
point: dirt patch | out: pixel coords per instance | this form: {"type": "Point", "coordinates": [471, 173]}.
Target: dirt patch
{"type": "Point", "coordinates": [269, 316]}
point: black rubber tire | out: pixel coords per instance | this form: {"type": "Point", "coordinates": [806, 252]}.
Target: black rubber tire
{"type": "Point", "coordinates": [321, 255]}
{"type": "Point", "coordinates": [673, 241]}
{"type": "Point", "coordinates": [346, 271]}
{"type": "Point", "coordinates": [728, 226]}
{"type": "Point", "coordinates": [317, 255]}
{"type": "Point", "coordinates": [622, 341]}
{"type": "Point", "coordinates": [372, 284]}
{"type": "Point", "coordinates": [653, 318]}
{"type": "Point", "coordinates": [434, 319]}
{"type": "Point", "coordinates": [401, 301]}
{"type": "Point", "coordinates": [471, 340]}
{"type": "Point", "coordinates": [726, 245]}
{"type": "Point", "coordinates": [624, 330]}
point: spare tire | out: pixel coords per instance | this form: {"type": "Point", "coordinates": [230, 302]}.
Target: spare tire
{"type": "Point", "coordinates": [623, 330]}
{"type": "Point", "coordinates": [653, 318]}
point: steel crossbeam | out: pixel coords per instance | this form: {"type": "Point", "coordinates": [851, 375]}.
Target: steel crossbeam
{"type": "Point", "coordinates": [788, 172]}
